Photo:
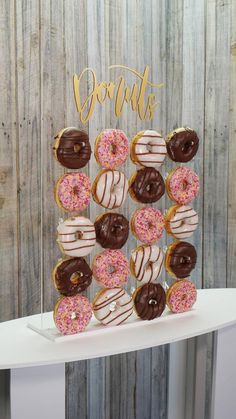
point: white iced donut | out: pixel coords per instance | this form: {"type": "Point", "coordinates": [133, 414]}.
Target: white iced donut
{"type": "Point", "coordinates": [148, 148]}
{"type": "Point", "coordinates": [112, 306]}
{"type": "Point", "coordinates": [110, 188]}
{"type": "Point", "coordinates": [76, 236]}
{"type": "Point", "coordinates": [146, 263]}
{"type": "Point", "coordinates": [181, 221]}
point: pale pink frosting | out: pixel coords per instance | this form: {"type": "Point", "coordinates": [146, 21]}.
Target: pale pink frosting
{"type": "Point", "coordinates": [184, 185]}
{"type": "Point", "coordinates": [182, 297]}
{"type": "Point", "coordinates": [73, 314]}
{"type": "Point", "coordinates": [74, 191]}
{"type": "Point", "coordinates": [112, 148]}
{"type": "Point", "coordinates": [111, 268]}
{"type": "Point", "coordinates": [148, 224]}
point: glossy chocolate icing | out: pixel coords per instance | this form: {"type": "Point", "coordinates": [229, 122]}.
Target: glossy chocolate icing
{"type": "Point", "coordinates": [150, 301]}
{"type": "Point", "coordinates": [73, 150]}
{"type": "Point", "coordinates": [148, 185]}
{"type": "Point", "coordinates": [112, 230]}
{"type": "Point", "coordinates": [183, 145]}
{"type": "Point", "coordinates": [183, 258]}
{"type": "Point", "coordinates": [72, 276]}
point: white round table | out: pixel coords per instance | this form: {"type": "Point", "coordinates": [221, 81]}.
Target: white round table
{"type": "Point", "coordinates": [38, 364]}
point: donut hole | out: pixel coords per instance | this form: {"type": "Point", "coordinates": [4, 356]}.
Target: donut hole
{"type": "Point", "coordinates": [184, 185]}
{"type": "Point", "coordinates": [184, 296]}
{"type": "Point", "coordinates": [149, 147]}
{"type": "Point", "coordinates": [75, 277]}
{"type": "Point", "coordinates": [115, 189]}
{"type": "Point", "coordinates": [116, 229]}
{"type": "Point", "coordinates": [77, 148]}
{"type": "Point", "coordinates": [151, 188]}
{"type": "Point", "coordinates": [111, 269]}
{"type": "Point", "coordinates": [187, 146]}
{"type": "Point", "coordinates": [74, 315]}
{"type": "Point", "coordinates": [113, 148]}
{"type": "Point", "coordinates": [184, 260]}
{"type": "Point", "coordinates": [148, 266]}
{"type": "Point", "coordinates": [78, 235]}
{"type": "Point", "coordinates": [75, 190]}
{"type": "Point", "coordinates": [151, 226]}
{"type": "Point", "coordinates": [152, 302]}
{"type": "Point", "coordinates": [113, 306]}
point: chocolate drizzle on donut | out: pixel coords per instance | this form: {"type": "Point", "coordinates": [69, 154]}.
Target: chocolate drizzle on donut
{"type": "Point", "coordinates": [150, 301]}
{"type": "Point", "coordinates": [73, 150]}
{"type": "Point", "coordinates": [183, 258]}
{"type": "Point", "coordinates": [72, 276]}
{"type": "Point", "coordinates": [148, 185]}
{"type": "Point", "coordinates": [182, 145]}
{"type": "Point", "coordinates": [112, 230]}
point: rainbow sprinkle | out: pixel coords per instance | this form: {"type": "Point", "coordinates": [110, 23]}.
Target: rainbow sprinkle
{"type": "Point", "coordinates": [184, 185]}
{"type": "Point", "coordinates": [72, 314]}
{"type": "Point", "coordinates": [148, 224]}
{"type": "Point", "coordinates": [112, 148]}
{"type": "Point", "coordinates": [111, 268]}
{"type": "Point", "coordinates": [181, 296]}
{"type": "Point", "coordinates": [74, 191]}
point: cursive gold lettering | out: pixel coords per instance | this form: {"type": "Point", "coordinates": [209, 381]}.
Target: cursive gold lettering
{"type": "Point", "coordinates": [121, 93]}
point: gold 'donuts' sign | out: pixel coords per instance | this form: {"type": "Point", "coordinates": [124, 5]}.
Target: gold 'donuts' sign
{"type": "Point", "coordinates": [135, 94]}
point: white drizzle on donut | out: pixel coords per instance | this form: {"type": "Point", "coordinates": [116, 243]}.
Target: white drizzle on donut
{"type": "Point", "coordinates": [111, 189]}
{"type": "Point", "coordinates": [113, 306]}
{"type": "Point", "coordinates": [148, 262]}
{"type": "Point", "coordinates": [76, 236]}
{"type": "Point", "coordinates": [150, 149]}
{"type": "Point", "coordinates": [184, 222]}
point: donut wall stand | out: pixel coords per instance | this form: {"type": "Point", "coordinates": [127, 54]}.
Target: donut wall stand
{"type": "Point", "coordinates": [111, 268]}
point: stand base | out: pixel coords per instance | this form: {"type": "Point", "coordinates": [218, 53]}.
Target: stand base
{"type": "Point", "coordinates": [44, 325]}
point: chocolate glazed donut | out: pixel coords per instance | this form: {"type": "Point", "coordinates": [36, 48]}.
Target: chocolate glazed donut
{"type": "Point", "coordinates": [72, 276]}
{"type": "Point", "coordinates": [112, 230]}
{"type": "Point", "coordinates": [147, 185]}
{"type": "Point", "coordinates": [182, 145]}
{"type": "Point", "coordinates": [182, 259]}
{"type": "Point", "coordinates": [150, 301]}
{"type": "Point", "coordinates": [72, 148]}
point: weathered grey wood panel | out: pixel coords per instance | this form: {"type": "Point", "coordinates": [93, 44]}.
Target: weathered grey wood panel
{"type": "Point", "coordinates": [8, 167]}
{"type": "Point", "coordinates": [231, 248]}
{"type": "Point", "coordinates": [29, 131]}
{"type": "Point", "coordinates": [216, 143]}
{"type": "Point", "coordinates": [52, 92]}
{"type": "Point", "coordinates": [190, 46]}
{"type": "Point", "coordinates": [217, 160]}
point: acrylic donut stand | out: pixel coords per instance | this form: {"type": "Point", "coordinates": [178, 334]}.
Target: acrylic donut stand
{"type": "Point", "coordinates": [38, 364]}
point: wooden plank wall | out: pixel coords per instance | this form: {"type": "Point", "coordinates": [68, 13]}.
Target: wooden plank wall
{"type": "Point", "coordinates": [191, 47]}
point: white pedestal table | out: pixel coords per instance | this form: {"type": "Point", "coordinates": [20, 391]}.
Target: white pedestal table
{"type": "Point", "coordinates": [37, 364]}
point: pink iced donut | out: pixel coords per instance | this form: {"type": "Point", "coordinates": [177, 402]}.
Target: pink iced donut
{"type": "Point", "coordinates": [181, 296]}
{"type": "Point", "coordinates": [111, 268]}
{"type": "Point", "coordinates": [72, 314]}
{"type": "Point", "coordinates": [182, 185]}
{"type": "Point", "coordinates": [73, 191]}
{"type": "Point", "coordinates": [147, 224]}
{"type": "Point", "coordinates": [111, 148]}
